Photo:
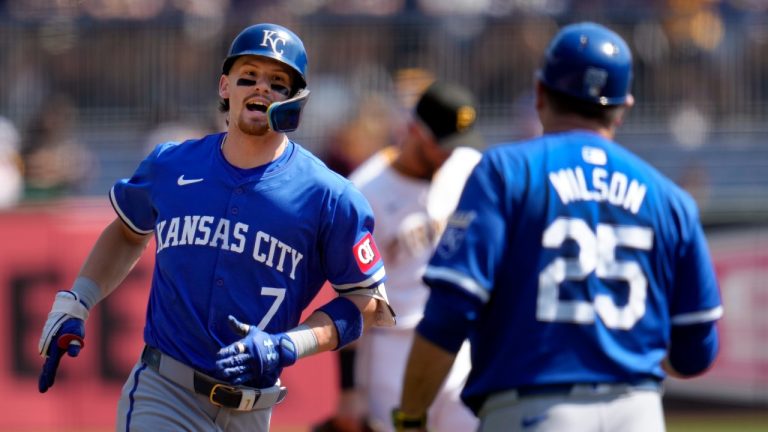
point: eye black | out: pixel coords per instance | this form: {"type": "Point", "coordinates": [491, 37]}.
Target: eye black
{"type": "Point", "coordinates": [245, 82]}
{"type": "Point", "coordinates": [283, 90]}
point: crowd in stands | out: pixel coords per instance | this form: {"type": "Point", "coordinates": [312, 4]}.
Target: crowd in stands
{"type": "Point", "coordinates": [84, 85]}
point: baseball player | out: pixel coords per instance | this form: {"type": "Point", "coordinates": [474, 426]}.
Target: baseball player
{"type": "Point", "coordinates": [248, 227]}
{"type": "Point", "coordinates": [409, 187]}
{"type": "Point", "coordinates": [579, 273]}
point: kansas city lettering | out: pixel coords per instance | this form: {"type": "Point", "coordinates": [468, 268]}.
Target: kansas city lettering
{"type": "Point", "coordinates": [224, 234]}
{"type": "Point", "coordinates": [265, 248]}
{"type": "Point", "coordinates": [615, 188]}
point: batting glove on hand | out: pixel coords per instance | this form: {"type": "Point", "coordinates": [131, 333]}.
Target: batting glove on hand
{"type": "Point", "coordinates": [64, 331]}
{"type": "Point", "coordinates": [258, 357]}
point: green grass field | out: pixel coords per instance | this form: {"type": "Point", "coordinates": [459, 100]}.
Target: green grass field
{"type": "Point", "coordinates": [732, 422]}
{"type": "Point", "coordinates": [689, 415]}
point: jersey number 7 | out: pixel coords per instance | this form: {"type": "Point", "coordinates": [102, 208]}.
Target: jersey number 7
{"type": "Point", "coordinates": [279, 295]}
{"type": "Point", "coordinates": [596, 254]}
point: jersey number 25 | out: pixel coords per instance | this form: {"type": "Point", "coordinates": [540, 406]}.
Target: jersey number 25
{"type": "Point", "coordinates": [596, 254]}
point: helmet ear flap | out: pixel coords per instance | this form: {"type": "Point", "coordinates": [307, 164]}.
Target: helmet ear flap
{"type": "Point", "coordinates": [284, 116]}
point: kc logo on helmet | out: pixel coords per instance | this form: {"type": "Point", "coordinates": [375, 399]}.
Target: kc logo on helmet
{"type": "Point", "coordinates": [366, 253]}
{"type": "Point", "coordinates": [272, 37]}
{"type": "Point", "coordinates": [595, 79]}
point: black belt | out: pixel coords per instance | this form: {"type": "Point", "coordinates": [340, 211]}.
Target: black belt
{"type": "Point", "coordinates": [220, 393]}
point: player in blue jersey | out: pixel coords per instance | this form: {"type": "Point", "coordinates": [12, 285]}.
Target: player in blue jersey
{"type": "Point", "coordinates": [579, 273]}
{"type": "Point", "coordinates": [248, 227]}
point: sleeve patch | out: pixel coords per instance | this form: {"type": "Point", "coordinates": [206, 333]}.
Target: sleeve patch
{"type": "Point", "coordinates": [366, 253]}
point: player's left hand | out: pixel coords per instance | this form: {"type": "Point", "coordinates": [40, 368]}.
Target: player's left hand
{"type": "Point", "coordinates": [258, 357]}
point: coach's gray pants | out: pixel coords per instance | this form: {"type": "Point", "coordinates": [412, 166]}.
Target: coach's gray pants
{"type": "Point", "coordinates": [151, 403]}
{"type": "Point", "coordinates": [632, 410]}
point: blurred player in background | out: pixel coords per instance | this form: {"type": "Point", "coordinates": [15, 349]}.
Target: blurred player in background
{"type": "Point", "coordinates": [11, 176]}
{"type": "Point", "coordinates": [412, 190]}
{"type": "Point", "coordinates": [248, 228]}
{"type": "Point", "coordinates": [579, 273]}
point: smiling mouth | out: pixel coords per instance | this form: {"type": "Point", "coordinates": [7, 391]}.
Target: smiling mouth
{"type": "Point", "coordinates": [255, 106]}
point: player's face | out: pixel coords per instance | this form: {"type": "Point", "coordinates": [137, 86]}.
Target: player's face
{"type": "Point", "coordinates": [429, 152]}
{"type": "Point", "coordinates": [252, 85]}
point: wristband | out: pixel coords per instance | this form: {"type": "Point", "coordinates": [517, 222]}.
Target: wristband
{"type": "Point", "coordinates": [304, 340]}
{"type": "Point", "coordinates": [347, 319]}
{"type": "Point", "coordinates": [401, 421]}
{"type": "Point", "coordinates": [87, 291]}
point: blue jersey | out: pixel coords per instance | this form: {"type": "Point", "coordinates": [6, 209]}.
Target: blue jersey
{"type": "Point", "coordinates": [579, 256]}
{"type": "Point", "coordinates": [257, 244]}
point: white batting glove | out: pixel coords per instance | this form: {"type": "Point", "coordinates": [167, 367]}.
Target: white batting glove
{"type": "Point", "coordinates": [64, 332]}
{"type": "Point", "coordinates": [66, 305]}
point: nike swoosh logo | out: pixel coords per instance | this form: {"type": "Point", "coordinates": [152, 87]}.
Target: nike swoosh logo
{"type": "Point", "coordinates": [183, 182]}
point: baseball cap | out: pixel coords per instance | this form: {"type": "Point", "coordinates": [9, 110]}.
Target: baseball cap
{"type": "Point", "coordinates": [448, 110]}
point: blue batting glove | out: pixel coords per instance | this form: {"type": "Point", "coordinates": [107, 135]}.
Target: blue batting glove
{"type": "Point", "coordinates": [68, 339]}
{"type": "Point", "coordinates": [258, 357]}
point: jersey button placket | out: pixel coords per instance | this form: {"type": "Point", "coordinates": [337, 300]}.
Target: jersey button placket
{"type": "Point", "coordinates": [237, 196]}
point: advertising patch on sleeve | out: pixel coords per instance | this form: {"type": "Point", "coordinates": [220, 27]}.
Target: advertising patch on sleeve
{"type": "Point", "coordinates": [366, 253]}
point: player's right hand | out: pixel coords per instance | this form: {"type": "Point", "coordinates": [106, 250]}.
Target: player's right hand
{"type": "Point", "coordinates": [64, 332]}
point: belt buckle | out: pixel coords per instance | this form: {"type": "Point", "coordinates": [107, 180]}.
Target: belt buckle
{"type": "Point", "coordinates": [216, 386]}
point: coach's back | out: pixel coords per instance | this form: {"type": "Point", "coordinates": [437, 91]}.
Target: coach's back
{"type": "Point", "coordinates": [579, 273]}
{"type": "Point", "coordinates": [587, 243]}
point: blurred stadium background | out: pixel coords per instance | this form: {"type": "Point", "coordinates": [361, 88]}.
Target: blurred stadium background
{"type": "Point", "coordinates": [88, 87]}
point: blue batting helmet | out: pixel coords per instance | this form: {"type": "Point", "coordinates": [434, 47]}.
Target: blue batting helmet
{"type": "Point", "coordinates": [589, 62]}
{"type": "Point", "coordinates": [273, 41]}
{"type": "Point", "coordinates": [278, 43]}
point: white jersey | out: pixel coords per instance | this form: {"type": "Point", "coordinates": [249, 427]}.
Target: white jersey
{"type": "Point", "coordinates": [407, 229]}
{"type": "Point", "coordinates": [448, 182]}
{"type": "Point", "coordinates": [404, 232]}
{"type": "Point", "coordinates": [410, 215]}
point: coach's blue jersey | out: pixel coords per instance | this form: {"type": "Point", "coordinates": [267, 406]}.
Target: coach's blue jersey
{"type": "Point", "coordinates": [257, 244]}
{"type": "Point", "coordinates": [582, 255]}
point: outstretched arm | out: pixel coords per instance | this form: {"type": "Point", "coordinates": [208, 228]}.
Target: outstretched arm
{"type": "Point", "coordinates": [115, 253]}
{"type": "Point", "coordinates": [113, 256]}
{"type": "Point", "coordinates": [428, 365]}
{"type": "Point", "coordinates": [448, 316]}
